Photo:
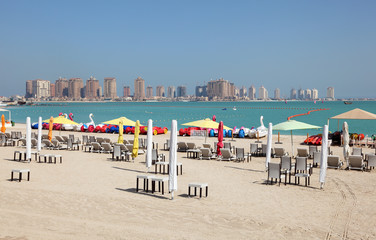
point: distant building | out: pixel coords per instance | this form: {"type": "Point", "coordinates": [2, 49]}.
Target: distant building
{"type": "Point", "coordinates": [61, 87]}
{"type": "Point", "coordinates": [293, 94]}
{"type": "Point", "coordinates": [139, 89]}
{"type": "Point", "coordinates": [160, 92]}
{"type": "Point", "coordinates": [149, 92]}
{"type": "Point", "coordinates": [181, 91]}
{"type": "Point", "coordinates": [109, 88]}
{"type": "Point", "coordinates": [300, 94]}
{"type": "Point", "coordinates": [220, 89]}
{"type": "Point", "coordinates": [92, 88]}
{"type": "Point", "coordinates": [277, 94]}
{"type": "Point", "coordinates": [263, 93]}
{"type": "Point", "coordinates": [252, 93]}
{"type": "Point", "coordinates": [126, 91]}
{"type": "Point", "coordinates": [52, 90]}
{"type": "Point", "coordinates": [29, 89]}
{"type": "Point", "coordinates": [171, 92]}
{"type": "Point", "coordinates": [201, 91]}
{"type": "Point", "coordinates": [243, 92]}
{"type": "Point", "coordinates": [315, 94]}
{"type": "Point", "coordinates": [330, 93]}
{"type": "Point", "coordinates": [308, 94]}
{"type": "Point", "coordinates": [75, 86]}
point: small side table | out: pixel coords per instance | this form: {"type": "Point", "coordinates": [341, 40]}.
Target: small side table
{"type": "Point", "coordinates": [20, 171]}
{"type": "Point", "coordinates": [159, 180]}
{"type": "Point", "coordinates": [198, 185]}
{"type": "Point", "coordinates": [146, 181]}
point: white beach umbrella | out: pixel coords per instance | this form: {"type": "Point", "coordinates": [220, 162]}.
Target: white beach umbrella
{"type": "Point", "coordinates": [28, 139]}
{"type": "Point", "coordinates": [150, 144]}
{"type": "Point", "coordinates": [346, 141]}
{"type": "Point", "coordinates": [173, 179]}
{"type": "Point", "coordinates": [269, 145]}
{"type": "Point", "coordinates": [324, 156]}
{"type": "Point", "coordinates": [39, 134]}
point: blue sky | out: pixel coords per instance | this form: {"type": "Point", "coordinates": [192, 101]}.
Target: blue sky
{"type": "Point", "coordinates": [284, 44]}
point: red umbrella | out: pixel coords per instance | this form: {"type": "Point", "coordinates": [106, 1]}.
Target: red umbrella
{"type": "Point", "coordinates": [220, 138]}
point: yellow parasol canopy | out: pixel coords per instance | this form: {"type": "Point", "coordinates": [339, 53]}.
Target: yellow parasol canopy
{"type": "Point", "coordinates": [50, 126]}
{"type": "Point", "coordinates": [135, 141]}
{"type": "Point", "coordinates": [2, 123]}
{"type": "Point", "coordinates": [124, 120]}
{"type": "Point", "coordinates": [205, 123]}
{"type": "Point", "coordinates": [62, 120]}
{"type": "Point", "coordinates": [120, 139]}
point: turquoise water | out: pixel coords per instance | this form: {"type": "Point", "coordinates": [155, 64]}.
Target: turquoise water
{"type": "Point", "coordinates": [247, 113]}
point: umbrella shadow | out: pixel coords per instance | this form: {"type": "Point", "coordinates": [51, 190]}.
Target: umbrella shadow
{"type": "Point", "coordinates": [244, 169]}
{"type": "Point", "coordinates": [133, 190]}
{"type": "Point", "coordinates": [266, 183]}
{"type": "Point", "coordinates": [130, 170]}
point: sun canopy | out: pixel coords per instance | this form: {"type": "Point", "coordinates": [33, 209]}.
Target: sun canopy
{"type": "Point", "coordinates": [356, 114]}
{"type": "Point", "coordinates": [205, 123]}
{"type": "Point", "coordinates": [294, 125]}
{"type": "Point", "coordinates": [62, 120]}
{"type": "Point", "coordinates": [124, 120]}
{"type": "Point", "coordinates": [6, 110]}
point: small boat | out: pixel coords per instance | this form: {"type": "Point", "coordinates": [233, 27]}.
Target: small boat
{"type": "Point", "coordinates": [347, 102]}
{"type": "Point", "coordinates": [224, 108]}
{"type": "Point", "coordinates": [234, 108]}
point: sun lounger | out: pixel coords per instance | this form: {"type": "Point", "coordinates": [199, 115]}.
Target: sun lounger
{"type": "Point", "coordinates": [106, 147]}
{"type": "Point", "coordinates": [206, 153]}
{"type": "Point", "coordinates": [357, 151]}
{"type": "Point", "coordinates": [207, 145]}
{"type": "Point", "coordinates": [226, 155]}
{"type": "Point", "coordinates": [302, 152]}
{"type": "Point", "coordinates": [316, 158]}
{"type": "Point", "coordinates": [356, 162]}
{"type": "Point", "coordinates": [191, 145]}
{"type": "Point", "coordinates": [334, 162]}
{"type": "Point", "coordinates": [371, 161]}
{"type": "Point", "coordinates": [240, 156]}
{"type": "Point", "coordinates": [182, 147]}
{"type": "Point", "coordinates": [96, 147]}
{"type": "Point", "coordinates": [274, 171]}
{"type": "Point", "coordinates": [279, 152]}
{"type": "Point", "coordinates": [312, 149]}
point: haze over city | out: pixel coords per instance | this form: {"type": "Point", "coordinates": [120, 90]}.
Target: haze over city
{"type": "Point", "coordinates": [277, 44]}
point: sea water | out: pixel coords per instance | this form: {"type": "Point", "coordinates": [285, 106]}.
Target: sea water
{"type": "Point", "coordinates": [247, 114]}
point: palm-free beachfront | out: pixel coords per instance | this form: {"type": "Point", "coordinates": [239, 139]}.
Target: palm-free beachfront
{"type": "Point", "coordinates": [89, 196]}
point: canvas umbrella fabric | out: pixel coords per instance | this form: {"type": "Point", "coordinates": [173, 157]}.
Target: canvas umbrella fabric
{"type": "Point", "coordinates": [50, 126]}
{"type": "Point", "coordinates": [205, 123]}
{"type": "Point", "coordinates": [3, 123]}
{"type": "Point", "coordinates": [291, 125]}
{"type": "Point", "coordinates": [173, 179]}
{"type": "Point", "coordinates": [62, 120]}
{"type": "Point", "coordinates": [346, 141]}
{"type": "Point", "coordinates": [135, 141]}
{"type": "Point", "coordinates": [324, 156]}
{"type": "Point", "coordinates": [121, 130]}
{"type": "Point", "coordinates": [39, 134]}
{"type": "Point", "coordinates": [124, 120]}
{"type": "Point", "coordinates": [220, 139]}
{"type": "Point", "coordinates": [150, 144]}
{"type": "Point", "coordinates": [269, 145]}
{"type": "Point", "coordinates": [356, 113]}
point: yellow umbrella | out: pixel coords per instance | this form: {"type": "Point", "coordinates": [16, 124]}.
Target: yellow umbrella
{"type": "Point", "coordinates": [124, 120]}
{"type": "Point", "coordinates": [120, 139]}
{"type": "Point", "coordinates": [50, 128]}
{"type": "Point", "coordinates": [3, 124]}
{"type": "Point", "coordinates": [205, 123]}
{"type": "Point", "coordinates": [135, 142]}
{"type": "Point", "coordinates": [62, 120]}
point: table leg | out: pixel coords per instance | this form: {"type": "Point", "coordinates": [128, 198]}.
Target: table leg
{"type": "Point", "coordinates": [162, 188]}
{"type": "Point", "coordinates": [28, 176]}
{"type": "Point", "coordinates": [200, 192]}
{"type": "Point", "coordinates": [11, 176]}
{"type": "Point", "coordinates": [189, 191]}
{"type": "Point", "coordinates": [137, 185]}
{"type": "Point", "coordinates": [207, 190]}
{"type": "Point", "coordinates": [20, 177]}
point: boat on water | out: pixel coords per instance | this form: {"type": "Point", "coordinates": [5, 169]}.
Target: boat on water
{"type": "Point", "coordinates": [234, 108]}
{"type": "Point", "coordinates": [224, 108]}
{"type": "Point", "coordinates": [3, 104]}
{"type": "Point", "coordinates": [347, 102]}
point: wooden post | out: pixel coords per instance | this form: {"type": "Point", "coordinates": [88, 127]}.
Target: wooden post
{"type": "Point", "coordinates": [307, 138]}
{"type": "Point", "coordinates": [278, 137]}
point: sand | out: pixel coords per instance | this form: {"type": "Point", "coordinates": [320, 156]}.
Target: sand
{"type": "Point", "coordinates": [89, 196]}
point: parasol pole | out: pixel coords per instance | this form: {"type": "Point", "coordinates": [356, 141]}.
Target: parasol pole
{"type": "Point", "coordinates": [292, 145]}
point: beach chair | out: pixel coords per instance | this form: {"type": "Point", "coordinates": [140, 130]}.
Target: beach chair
{"type": "Point", "coordinates": [226, 155]}
{"type": "Point", "coordinates": [334, 162]}
{"type": "Point", "coordinates": [65, 139]}
{"type": "Point", "coordinates": [155, 157]}
{"type": "Point", "coordinates": [228, 146]}
{"type": "Point", "coordinates": [206, 153]}
{"type": "Point", "coordinates": [59, 138]}
{"type": "Point", "coordinates": [47, 144]}
{"type": "Point", "coordinates": [107, 140]}
{"type": "Point", "coordinates": [371, 164]}
{"type": "Point", "coordinates": [58, 145]}
{"type": "Point", "coordinates": [125, 141]}
{"type": "Point", "coordinates": [191, 145]}
{"type": "Point", "coordinates": [100, 140]}
{"type": "Point", "coordinates": [106, 147]}
{"type": "Point", "coordinates": [207, 145]}
{"type": "Point", "coordinates": [23, 142]}
{"type": "Point", "coordinates": [92, 139]}
{"type": "Point", "coordinates": [356, 162]}
{"type": "Point", "coordinates": [182, 147]}
{"type": "Point", "coordinates": [302, 169]}
{"type": "Point", "coordinates": [34, 143]}
{"type": "Point", "coordinates": [302, 152]}
{"type": "Point", "coordinates": [357, 151]}
{"type": "Point", "coordinates": [312, 149]}
{"type": "Point", "coordinates": [286, 167]}
{"type": "Point", "coordinates": [279, 152]}
{"type": "Point", "coordinates": [240, 156]}
{"type": "Point", "coordinates": [166, 145]}
{"type": "Point", "coordinates": [130, 141]}
{"type": "Point", "coordinates": [263, 150]}
{"type": "Point", "coordinates": [274, 171]}
{"type": "Point", "coordinates": [44, 136]}
{"type": "Point", "coordinates": [3, 140]}
{"type": "Point", "coordinates": [117, 154]}
{"type": "Point", "coordinates": [253, 150]}
{"type": "Point", "coordinates": [316, 158]}
{"type": "Point", "coordinates": [96, 147]}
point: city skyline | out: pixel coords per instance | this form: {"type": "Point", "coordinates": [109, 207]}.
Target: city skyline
{"type": "Point", "coordinates": [285, 44]}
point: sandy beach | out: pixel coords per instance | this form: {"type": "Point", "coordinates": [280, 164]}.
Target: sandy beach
{"type": "Point", "coordinates": [89, 196]}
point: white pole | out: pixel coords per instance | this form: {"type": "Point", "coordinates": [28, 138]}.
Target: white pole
{"type": "Point", "coordinates": [39, 134]}
{"type": "Point", "coordinates": [292, 145]}
{"type": "Point", "coordinates": [324, 156]}
{"type": "Point", "coordinates": [173, 183]}
{"type": "Point", "coordinates": [150, 144]}
{"type": "Point", "coordinates": [269, 145]}
{"type": "Point", "coordinates": [28, 139]}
